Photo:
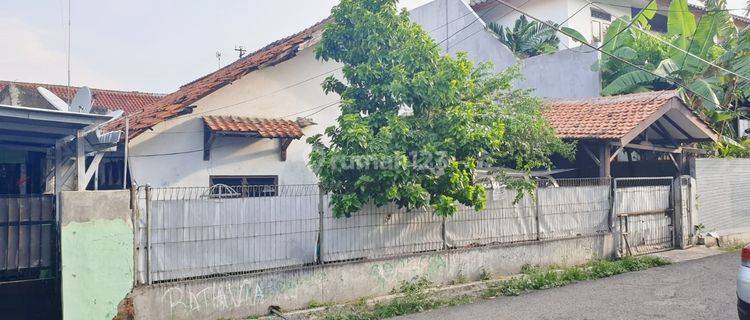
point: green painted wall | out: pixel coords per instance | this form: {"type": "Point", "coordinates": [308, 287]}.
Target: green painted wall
{"type": "Point", "coordinates": [97, 268]}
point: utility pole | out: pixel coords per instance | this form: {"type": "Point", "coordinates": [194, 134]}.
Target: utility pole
{"type": "Point", "coordinates": [241, 50]}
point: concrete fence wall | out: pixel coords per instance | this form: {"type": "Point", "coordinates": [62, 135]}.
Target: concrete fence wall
{"type": "Point", "coordinates": [97, 252]}
{"type": "Point", "coordinates": [723, 197]}
{"type": "Point", "coordinates": [252, 294]}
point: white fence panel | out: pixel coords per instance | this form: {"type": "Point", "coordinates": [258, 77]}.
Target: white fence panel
{"type": "Point", "coordinates": [573, 211]}
{"type": "Point", "coordinates": [723, 201]}
{"type": "Point", "coordinates": [642, 199]}
{"type": "Point", "coordinates": [204, 237]}
{"type": "Point", "coordinates": [379, 232]}
{"type": "Point", "coordinates": [503, 221]}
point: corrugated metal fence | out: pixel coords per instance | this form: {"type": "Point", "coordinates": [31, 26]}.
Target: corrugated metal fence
{"type": "Point", "coordinates": [723, 194]}
{"type": "Point", "coordinates": [27, 237]}
{"type": "Point", "coordinates": [186, 233]}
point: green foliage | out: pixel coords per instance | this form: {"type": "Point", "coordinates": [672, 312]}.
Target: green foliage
{"type": "Point", "coordinates": [484, 275]}
{"type": "Point", "coordinates": [461, 113]}
{"type": "Point", "coordinates": [527, 38]}
{"type": "Point", "coordinates": [732, 149]}
{"type": "Point", "coordinates": [531, 38]}
{"type": "Point", "coordinates": [535, 278]}
{"type": "Point", "coordinates": [415, 299]}
{"type": "Point", "coordinates": [684, 56]}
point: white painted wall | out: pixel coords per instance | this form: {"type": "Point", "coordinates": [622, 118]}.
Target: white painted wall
{"type": "Point", "coordinates": [557, 11]}
{"type": "Point", "coordinates": [172, 153]}
{"type": "Point", "coordinates": [179, 141]}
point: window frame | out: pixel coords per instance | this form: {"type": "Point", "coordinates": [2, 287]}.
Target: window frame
{"type": "Point", "coordinates": [247, 190]}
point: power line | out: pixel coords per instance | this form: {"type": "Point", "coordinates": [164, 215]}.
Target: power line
{"type": "Point", "coordinates": [687, 53]}
{"type": "Point", "coordinates": [301, 81]}
{"type": "Point", "coordinates": [630, 24]}
{"type": "Point", "coordinates": [602, 51]}
{"type": "Point", "coordinates": [480, 18]}
{"type": "Point", "coordinates": [668, 10]}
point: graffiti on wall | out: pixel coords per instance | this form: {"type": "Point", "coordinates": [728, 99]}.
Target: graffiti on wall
{"type": "Point", "coordinates": [223, 295]}
{"type": "Point", "coordinates": [391, 272]}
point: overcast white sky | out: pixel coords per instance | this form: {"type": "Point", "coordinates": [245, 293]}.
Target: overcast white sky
{"type": "Point", "coordinates": [144, 45]}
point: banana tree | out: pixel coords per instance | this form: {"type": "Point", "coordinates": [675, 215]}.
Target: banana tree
{"type": "Point", "coordinates": [701, 60]}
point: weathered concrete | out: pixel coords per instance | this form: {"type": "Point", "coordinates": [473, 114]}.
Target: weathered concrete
{"type": "Point", "coordinates": [697, 289]}
{"type": "Point", "coordinates": [563, 74]}
{"type": "Point", "coordinates": [457, 28]}
{"type": "Point", "coordinates": [242, 296]}
{"type": "Point", "coordinates": [97, 253]}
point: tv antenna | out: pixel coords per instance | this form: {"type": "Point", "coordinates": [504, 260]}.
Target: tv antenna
{"type": "Point", "coordinates": [218, 58]}
{"type": "Point", "coordinates": [241, 50]}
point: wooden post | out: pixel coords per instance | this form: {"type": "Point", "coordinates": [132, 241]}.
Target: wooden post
{"type": "Point", "coordinates": [605, 152]}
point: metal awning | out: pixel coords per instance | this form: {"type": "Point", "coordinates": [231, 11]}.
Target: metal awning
{"type": "Point", "coordinates": [70, 134]}
{"type": "Point", "coordinates": [33, 128]}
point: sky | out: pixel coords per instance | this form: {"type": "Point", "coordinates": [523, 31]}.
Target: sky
{"type": "Point", "coordinates": [145, 45]}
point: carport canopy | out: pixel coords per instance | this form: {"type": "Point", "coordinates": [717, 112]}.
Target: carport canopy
{"type": "Point", "coordinates": [34, 129]}
{"type": "Point", "coordinates": [653, 121]}
{"type": "Point", "coordinates": [39, 129]}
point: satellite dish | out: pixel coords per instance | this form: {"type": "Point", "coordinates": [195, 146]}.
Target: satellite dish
{"type": "Point", "coordinates": [54, 100]}
{"type": "Point", "coordinates": [81, 101]}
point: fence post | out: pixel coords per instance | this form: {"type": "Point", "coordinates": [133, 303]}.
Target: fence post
{"type": "Point", "coordinates": [134, 216]}
{"type": "Point", "coordinates": [321, 213]}
{"type": "Point", "coordinates": [616, 232]}
{"type": "Point", "coordinates": [148, 234]}
{"type": "Point", "coordinates": [443, 234]}
{"type": "Point", "coordinates": [536, 212]}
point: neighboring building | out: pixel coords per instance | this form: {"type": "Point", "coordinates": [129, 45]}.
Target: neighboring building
{"type": "Point", "coordinates": [591, 20]}
{"type": "Point", "coordinates": [246, 123]}
{"type": "Point", "coordinates": [21, 168]}
{"type": "Point", "coordinates": [26, 94]}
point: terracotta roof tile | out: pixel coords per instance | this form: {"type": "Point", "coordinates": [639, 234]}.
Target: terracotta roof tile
{"type": "Point", "coordinates": [128, 101]}
{"type": "Point", "coordinates": [607, 118]}
{"type": "Point", "coordinates": [265, 128]}
{"type": "Point", "coordinates": [177, 102]}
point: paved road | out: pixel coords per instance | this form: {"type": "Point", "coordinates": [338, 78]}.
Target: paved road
{"type": "Point", "coordinates": [698, 289]}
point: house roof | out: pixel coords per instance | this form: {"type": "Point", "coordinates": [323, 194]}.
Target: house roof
{"type": "Point", "coordinates": [179, 102]}
{"type": "Point", "coordinates": [603, 117]}
{"type": "Point", "coordinates": [622, 118]}
{"type": "Point", "coordinates": [264, 128]}
{"type": "Point", "coordinates": [128, 101]}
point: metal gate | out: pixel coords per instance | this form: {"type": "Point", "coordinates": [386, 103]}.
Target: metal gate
{"type": "Point", "coordinates": [644, 212]}
{"type": "Point", "coordinates": [29, 282]}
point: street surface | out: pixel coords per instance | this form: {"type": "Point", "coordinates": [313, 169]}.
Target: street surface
{"type": "Point", "coordinates": [697, 289]}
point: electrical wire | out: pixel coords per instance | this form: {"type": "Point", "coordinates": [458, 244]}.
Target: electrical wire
{"type": "Point", "coordinates": [678, 83]}
{"type": "Point", "coordinates": [667, 10]}
{"type": "Point", "coordinates": [334, 103]}
{"type": "Point", "coordinates": [687, 53]}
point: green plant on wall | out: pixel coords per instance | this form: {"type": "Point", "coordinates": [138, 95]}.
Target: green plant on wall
{"type": "Point", "coordinates": [682, 59]}
{"type": "Point", "coordinates": [529, 38]}
{"type": "Point", "coordinates": [414, 123]}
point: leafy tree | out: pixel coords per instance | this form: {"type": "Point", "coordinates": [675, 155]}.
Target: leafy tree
{"type": "Point", "coordinates": [529, 38]}
{"type": "Point", "coordinates": [460, 114]}
{"type": "Point", "coordinates": [715, 39]}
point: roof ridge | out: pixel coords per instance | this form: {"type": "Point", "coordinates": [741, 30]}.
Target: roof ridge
{"type": "Point", "coordinates": [266, 47]}
{"type": "Point", "coordinates": [39, 84]}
